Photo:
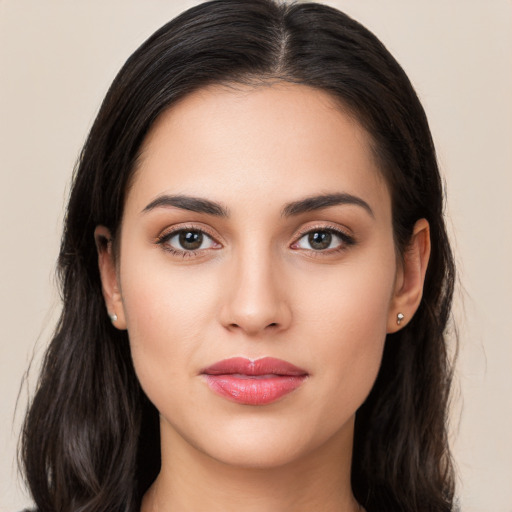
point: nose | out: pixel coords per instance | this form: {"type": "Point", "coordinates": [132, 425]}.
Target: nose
{"type": "Point", "coordinates": [255, 297]}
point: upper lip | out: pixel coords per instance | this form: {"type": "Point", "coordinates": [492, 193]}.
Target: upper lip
{"type": "Point", "coordinates": [244, 366]}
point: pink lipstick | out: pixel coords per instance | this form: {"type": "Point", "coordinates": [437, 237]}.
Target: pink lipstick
{"type": "Point", "coordinates": [257, 382]}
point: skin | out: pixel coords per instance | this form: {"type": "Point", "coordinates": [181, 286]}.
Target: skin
{"type": "Point", "coordinates": [258, 288]}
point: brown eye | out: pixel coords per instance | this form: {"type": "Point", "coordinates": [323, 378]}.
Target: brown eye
{"type": "Point", "coordinates": [323, 240]}
{"type": "Point", "coordinates": [188, 240]}
{"type": "Point", "coordinates": [319, 240]}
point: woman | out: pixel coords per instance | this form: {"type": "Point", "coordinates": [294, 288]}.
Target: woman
{"type": "Point", "coordinates": [256, 280]}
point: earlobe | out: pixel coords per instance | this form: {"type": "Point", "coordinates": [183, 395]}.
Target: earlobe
{"type": "Point", "coordinates": [109, 278]}
{"type": "Point", "coordinates": [410, 278]}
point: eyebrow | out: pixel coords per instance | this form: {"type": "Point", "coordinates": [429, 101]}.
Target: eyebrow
{"type": "Point", "coordinates": [193, 204]}
{"type": "Point", "coordinates": [308, 204]}
{"type": "Point", "coordinates": [312, 203]}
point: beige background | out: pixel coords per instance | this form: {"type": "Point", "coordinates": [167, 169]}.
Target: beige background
{"type": "Point", "coordinates": [57, 58]}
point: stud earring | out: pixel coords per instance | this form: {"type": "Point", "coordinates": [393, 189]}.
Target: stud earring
{"type": "Point", "coordinates": [399, 318]}
{"type": "Point", "coordinates": [113, 317]}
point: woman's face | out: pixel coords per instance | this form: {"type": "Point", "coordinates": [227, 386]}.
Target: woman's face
{"type": "Point", "coordinates": [257, 226]}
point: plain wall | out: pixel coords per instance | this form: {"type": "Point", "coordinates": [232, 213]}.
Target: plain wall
{"type": "Point", "coordinates": [57, 58]}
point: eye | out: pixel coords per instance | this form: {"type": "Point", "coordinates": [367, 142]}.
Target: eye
{"type": "Point", "coordinates": [324, 239]}
{"type": "Point", "coordinates": [187, 241]}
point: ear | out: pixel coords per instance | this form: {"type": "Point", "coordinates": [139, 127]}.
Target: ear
{"type": "Point", "coordinates": [109, 278]}
{"type": "Point", "coordinates": [410, 278]}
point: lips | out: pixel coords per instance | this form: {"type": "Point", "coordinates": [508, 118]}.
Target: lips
{"type": "Point", "coordinates": [258, 382]}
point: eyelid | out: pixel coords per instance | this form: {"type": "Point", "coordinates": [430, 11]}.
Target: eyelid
{"type": "Point", "coordinates": [193, 226]}
{"type": "Point", "coordinates": [346, 239]}
{"type": "Point", "coordinates": [304, 230]}
{"type": "Point", "coordinates": [173, 230]}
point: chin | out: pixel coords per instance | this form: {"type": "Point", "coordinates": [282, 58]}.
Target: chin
{"type": "Point", "coordinates": [266, 443]}
{"type": "Point", "coordinates": [256, 455]}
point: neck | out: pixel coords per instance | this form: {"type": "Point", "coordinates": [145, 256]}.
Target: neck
{"type": "Point", "coordinates": [190, 480]}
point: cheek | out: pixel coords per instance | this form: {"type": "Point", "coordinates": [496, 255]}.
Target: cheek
{"type": "Point", "coordinates": [349, 320]}
{"type": "Point", "coordinates": [167, 315]}
{"type": "Point", "coordinates": [353, 300]}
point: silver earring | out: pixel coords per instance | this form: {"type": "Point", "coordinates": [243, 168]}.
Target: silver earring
{"type": "Point", "coordinates": [113, 317]}
{"type": "Point", "coordinates": [399, 318]}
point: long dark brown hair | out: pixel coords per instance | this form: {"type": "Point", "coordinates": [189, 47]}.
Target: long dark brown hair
{"type": "Point", "coordinates": [91, 440]}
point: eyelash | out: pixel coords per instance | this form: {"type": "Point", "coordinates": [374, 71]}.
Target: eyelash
{"type": "Point", "coordinates": [345, 240]}
{"type": "Point", "coordinates": [168, 235]}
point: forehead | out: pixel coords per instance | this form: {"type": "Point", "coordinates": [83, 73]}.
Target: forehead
{"type": "Point", "coordinates": [235, 141]}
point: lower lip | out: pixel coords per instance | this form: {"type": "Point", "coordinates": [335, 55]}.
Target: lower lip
{"type": "Point", "coordinates": [250, 390]}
